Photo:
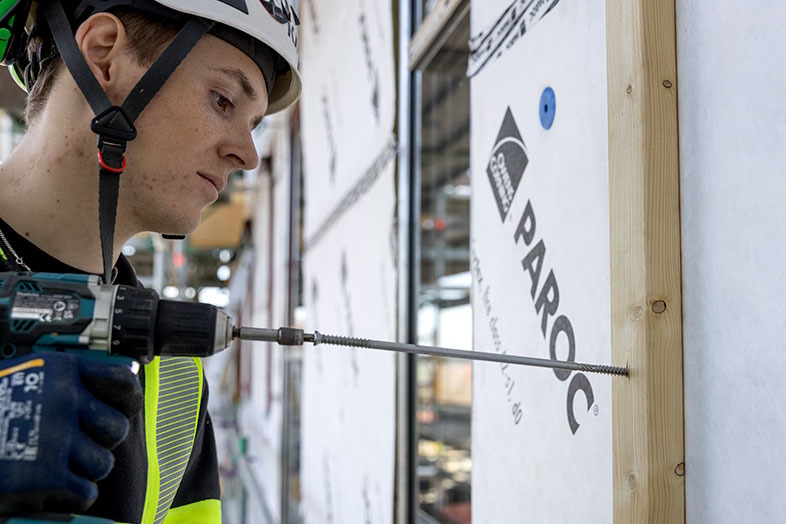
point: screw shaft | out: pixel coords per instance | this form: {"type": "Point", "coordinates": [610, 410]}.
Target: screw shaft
{"type": "Point", "coordinates": [320, 338]}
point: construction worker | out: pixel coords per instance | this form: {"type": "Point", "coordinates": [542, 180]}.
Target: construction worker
{"type": "Point", "coordinates": [171, 91]}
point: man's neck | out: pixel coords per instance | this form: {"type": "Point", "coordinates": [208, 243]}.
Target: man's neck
{"type": "Point", "coordinates": [50, 193]}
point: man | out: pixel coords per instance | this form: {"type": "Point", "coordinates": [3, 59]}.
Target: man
{"type": "Point", "coordinates": [173, 90]}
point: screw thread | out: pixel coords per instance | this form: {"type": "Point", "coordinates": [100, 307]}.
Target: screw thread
{"type": "Point", "coordinates": [606, 370]}
{"type": "Point", "coordinates": [344, 341]}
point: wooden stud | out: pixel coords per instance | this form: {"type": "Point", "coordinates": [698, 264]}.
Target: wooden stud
{"type": "Point", "coordinates": [646, 303]}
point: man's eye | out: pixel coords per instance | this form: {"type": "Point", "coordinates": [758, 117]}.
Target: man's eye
{"type": "Point", "coordinates": [222, 101]}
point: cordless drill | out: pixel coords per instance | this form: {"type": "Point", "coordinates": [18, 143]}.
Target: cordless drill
{"type": "Point", "coordinates": [76, 313]}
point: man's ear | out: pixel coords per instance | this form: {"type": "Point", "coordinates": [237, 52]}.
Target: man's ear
{"type": "Point", "coordinates": [103, 41]}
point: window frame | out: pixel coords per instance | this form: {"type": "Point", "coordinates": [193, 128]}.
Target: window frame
{"type": "Point", "coordinates": [422, 38]}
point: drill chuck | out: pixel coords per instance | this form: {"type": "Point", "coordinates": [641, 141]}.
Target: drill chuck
{"type": "Point", "coordinates": [191, 329]}
{"type": "Point", "coordinates": [135, 311]}
{"type": "Point", "coordinates": [144, 326]}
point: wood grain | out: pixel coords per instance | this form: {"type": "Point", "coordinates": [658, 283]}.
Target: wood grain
{"type": "Point", "coordinates": [646, 302]}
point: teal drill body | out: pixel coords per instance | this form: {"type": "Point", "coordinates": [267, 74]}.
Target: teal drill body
{"type": "Point", "coordinates": [47, 311]}
{"type": "Point", "coordinates": [76, 313]}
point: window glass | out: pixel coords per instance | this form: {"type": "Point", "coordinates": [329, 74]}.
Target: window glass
{"type": "Point", "coordinates": [444, 316]}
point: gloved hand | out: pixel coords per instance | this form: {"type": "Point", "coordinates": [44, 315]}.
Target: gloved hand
{"type": "Point", "coordinates": [60, 415]}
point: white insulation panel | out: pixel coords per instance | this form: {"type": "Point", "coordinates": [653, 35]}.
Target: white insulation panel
{"type": "Point", "coordinates": [732, 103]}
{"type": "Point", "coordinates": [541, 439]}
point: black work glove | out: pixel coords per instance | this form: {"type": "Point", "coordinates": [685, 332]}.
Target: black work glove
{"type": "Point", "coordinates": [60, 415]}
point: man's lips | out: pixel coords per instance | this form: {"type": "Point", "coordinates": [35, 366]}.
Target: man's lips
{"type": "Point", "coordinates": [218, 181]}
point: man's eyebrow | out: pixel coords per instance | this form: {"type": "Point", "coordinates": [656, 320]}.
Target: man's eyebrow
{"type": "Point", "coordinates": [240, 77]}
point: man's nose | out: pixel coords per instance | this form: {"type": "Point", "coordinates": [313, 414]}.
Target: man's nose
{"type": "Point", "coordinates": [241, 150]}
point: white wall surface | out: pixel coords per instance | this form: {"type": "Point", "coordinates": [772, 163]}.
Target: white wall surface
{"type": "Point", "coordinates": [348, 396]}
{"type": "Point", "coordinates": [348, 103]}
{"type": "Point", "coordinates": [732, 103]}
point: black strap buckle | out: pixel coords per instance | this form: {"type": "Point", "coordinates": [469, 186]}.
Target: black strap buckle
{"type": "Point", "coordinates": [114, 129]}
{"type": "Point", "coordinates": [114, 123]}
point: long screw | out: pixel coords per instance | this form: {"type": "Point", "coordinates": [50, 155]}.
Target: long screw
{"type": "Point", "coordinates": [296, 337]}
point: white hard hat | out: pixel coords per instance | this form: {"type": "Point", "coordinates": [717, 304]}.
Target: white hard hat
{"type": "Point", "coordinates": [271, 22]}
{"type": "Point", "coordinates": [266, 30]}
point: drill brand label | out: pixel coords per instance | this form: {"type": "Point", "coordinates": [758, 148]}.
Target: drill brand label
{"type": "Point", "coordinates": [44, 307]}
{"type": "Point", "coordinates": [507, 164]}
{"type": "Point", "coordinates": [21, 388]}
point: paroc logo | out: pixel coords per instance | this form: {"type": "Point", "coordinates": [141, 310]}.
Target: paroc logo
{"type": "Point", "coordinates": [507, 164]}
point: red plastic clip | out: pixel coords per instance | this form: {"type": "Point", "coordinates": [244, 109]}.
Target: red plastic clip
{"type": "Point", "coordinates": [108, 168]}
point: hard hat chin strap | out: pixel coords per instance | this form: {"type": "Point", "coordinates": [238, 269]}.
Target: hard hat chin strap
{"type": "Point", "coordinates": [114, 125]}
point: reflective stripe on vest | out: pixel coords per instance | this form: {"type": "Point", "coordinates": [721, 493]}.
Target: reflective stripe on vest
{"type": "Point", "coordinates": [173, 393]}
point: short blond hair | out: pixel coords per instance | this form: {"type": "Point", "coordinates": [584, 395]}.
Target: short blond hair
{"type": "Point", "coordinates": [147, 36]}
